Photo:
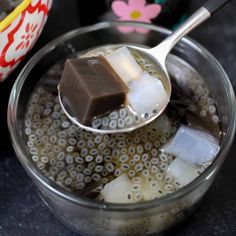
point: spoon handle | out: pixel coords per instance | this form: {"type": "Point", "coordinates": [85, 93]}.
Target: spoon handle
{"type": "Point", "coordinates": [213, 6]}
{"type": "Point", "coordinates": [202, 14]}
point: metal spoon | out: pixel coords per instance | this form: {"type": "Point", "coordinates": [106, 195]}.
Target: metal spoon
{"type": "Point", "coordinates": [158, 55]}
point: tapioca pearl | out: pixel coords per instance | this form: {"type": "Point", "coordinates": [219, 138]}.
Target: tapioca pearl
{"type": "Point", "coordinates": [154, 152]}
{"type": "Point", "coordinates": [131, 150]}
{"type": "Point", "coordinates": [37, 142]}
{"type": "Point", "coordinates": [192, 108]}
{"type": "Point", "coordinates": [98, 139]}
{"type": "Point", "coordinates": [61, 142]}
{"type": "Point", "coordinates": [148, 146]}
{"type": "Point", "coordinates": [88, 158]}
{"type": "Point", "coordinates": [149, 179]}
{"type": "Point", "coordinates": [33, 151]}
{"type": "Point", "coordinates": [154, 161]}
{"type": "Point", "coordinates": [136, 157]}
{"type": "Point", "coordinates": [70, 149]}
{"type": "Point", "coordinates": [163, 139]}
{"type": "Point", "coordinates": [81, 144]}
{"type": "Point", "coordinates": [139, 149]}
{"type": "Point", "coordinates": [96, 177]}
{"type": "Point", "coordinates": [123, 158]}
{"type": "Point", "coordinates": [53, 139]}
{"type": "Point", "coordinates": [138, 196]}
{"type": "Point", "coordinates": [125, 166]}
{"type": "Point", "coordinates": [60, 164]}
{"type": "Point", "coordinates": [114, 115]}
{"type": "Point", "coordinates": [62, 175]}
{"type": "Point", "coordinates": [147, 164]}
{"type": "Point", "coordinates": [69, 159]}
{"type": "Point", "coordinates": [47, 112]}
{"type": "Point", "coordinates": [36, 125]}
{"type": "Point", "coordinates": [145, 157]}
{"type": "Point", "coordinates": [107, 158]}
{"type": "Point", "coordinates": [148, 66]}
{"type": "Point", "coordinates": [30, 144]}
{"type": "Point", "coordinates": [56, 115]}
{"type": "Point", "coordinates": [47, 121]}
{"type": "Point", "coordinates": [45, 128]}
{"type": "Point", "coordinates": [97, 123]}
{"type": "Point", "coordinates": [163, 166]}
{"type": "Point", "coordinates": [72, 134]}
{"type": "Point", "coordinates": [68, 181]}
{"type": "Point", "coordinates": [28, 123]}
{"type": "Point", "coordinates": [121, 123]}
{"type": "Point", "coordinates": [212, 109]}
{"type": "Point", "coordinates": [80, 177]}
{"type": "Point", "coordinates": [154, 169]}
{"type": "Point", "coordinates": [91, 165]}
{"type": "Point", "coordinates": [131, 173]}
{"type": "Point", "coordinates": [39, 132]}
{"type": "Point", "coordinates": [122, 113]}
{"type": "Point", "coordinates": [93, 151]}
{"type": "Point", "coordinates": [36, 117]}
{"type": "Point", "coordinates": [101, 146]}
{"type": "Point", "coordinates": [132, 162]}
{"type": "Point", "coordinates": [28, 131]}
{"type": "Point", "coordinates": [129, 120]}
{"type": "Point", "coordinates": [56, 124]}
{"type": "Point", "coordinates": [43, 152]}
{"type": "Point", "coordinates": [120, 137]}
{"type": "Point", "coordinates": [104, 180]}
{"type": "Point", "coordinates": [35, 158]}
{"type": "Point", "coordinates": [168, 187]}
{"type": "Point", "coordinates": [117, 172]}
{"type": "Point", "coordinates": [203, 113]}
{"type": "Point", "coordinates": [105, 121]}
{"type": "Point", "coordinates": [87, 171]}
{"type": "Point", "coordinates": [136, 140]}
{"type": "Point", "coordinates": [56, 149]}
{"type": "Point", "coordinates": [123, 151]}
{"type": "Point", "coordinates": [153, 184]}
{"type": "Point", "coordinates": [110, 167]}
{"type": "Point", "coordinates": [210, 101]}
{"type": "Point", "coordinates": [99, 159]}
{"type": "Point", "coordinates": [79, 167]}
{"type": "Point", "coordinates": [145, 173]}
{"type": "Point", "coordinates": [90, 144]}
{"type": "Point", "coordinates": [80, 186]}
{"type": "Point", "coordinates": [98, 168]}
{"type": "Point", "coordinates": [72, 141]}
{"type": "Point", "coordinates": [215, 119]}
{"type": "Point", "coordinates": [40, 165]}
{"type": "Point", "coordinates": [136, 188]}
{"type": "Point", "coordinates": [79, 160]}
{"type": "Point", "coordinates": [65, 124]}
{"type": "Point", "coordinates": [44, 159]}
{"type": "Point", "coordinates": [51, 131]}
{"type": "Point", "coordinates": [104, 172]}
{"type": "Point", "coordinates": [106, 152]}
{"type": "Point", "coordinates": [105, 138]}
{"type": "Point", "coordinates": [113, 124]}
{"type": "Point", "coordinates": [139, 167]}
{"type": "Point", "coordinates": [116, 153]}
{"type": "Point", "coordinates": [57, 107]}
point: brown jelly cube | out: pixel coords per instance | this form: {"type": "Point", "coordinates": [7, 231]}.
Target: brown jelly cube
{"type": "Point", "coordinates": [92, 87]}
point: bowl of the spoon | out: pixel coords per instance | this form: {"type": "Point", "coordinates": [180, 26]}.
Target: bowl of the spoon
{"type": "Point", "coordinates": [123, 119]}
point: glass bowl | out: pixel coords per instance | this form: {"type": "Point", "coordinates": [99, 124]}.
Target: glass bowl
{"type": "Point", "coordinates": [89, 217]}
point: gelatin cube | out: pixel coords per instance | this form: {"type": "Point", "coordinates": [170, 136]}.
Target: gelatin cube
{"type": "Point", "coordinates": [92, 87]}
{"type": "Point", "coordinates": [183, 172]}
{"type": "Point", "coordinates": [193, 146]}
{"type": "Point", "coordinates": [124, 64]}
{"type": "Point", "coordinates": [117, 190]}
{"type": "Point", "coordinates": [146, 94]}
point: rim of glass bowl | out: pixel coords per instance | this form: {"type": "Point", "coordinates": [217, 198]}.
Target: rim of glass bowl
{"type": "Point", "coordinates": [28, 164]}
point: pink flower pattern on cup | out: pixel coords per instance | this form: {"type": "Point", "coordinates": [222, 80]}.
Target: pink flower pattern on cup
{"type": "Point", "coordinates": [135, 10]}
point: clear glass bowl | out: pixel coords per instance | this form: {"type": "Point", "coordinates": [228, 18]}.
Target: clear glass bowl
{"type": "Point", "coordinates": [89, 217]}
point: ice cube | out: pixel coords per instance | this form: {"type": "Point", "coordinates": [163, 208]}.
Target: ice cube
{"type": "Point", "coordinates": [117, 190]}
{"type": "Point", "coordinates": [183, 171]}
{"type": "Point", "coordinates": [124, 64]}
{"type": "Point", "coordinates": [193, 146]}
{"type": "Point", "coordinates": [147, 94]}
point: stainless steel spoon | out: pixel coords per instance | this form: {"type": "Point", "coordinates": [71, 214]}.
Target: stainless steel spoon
{"type": "Point", "coordinates": [158, 55]}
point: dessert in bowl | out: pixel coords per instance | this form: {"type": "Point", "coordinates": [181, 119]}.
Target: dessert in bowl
{"type": "Point", "coordinates": [137, 183]}
{"type": "Point", "coordinates": [19, 30]}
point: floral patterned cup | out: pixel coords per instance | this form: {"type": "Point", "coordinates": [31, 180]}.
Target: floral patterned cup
{"type": "Point", "coordinates": [19, 31]}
